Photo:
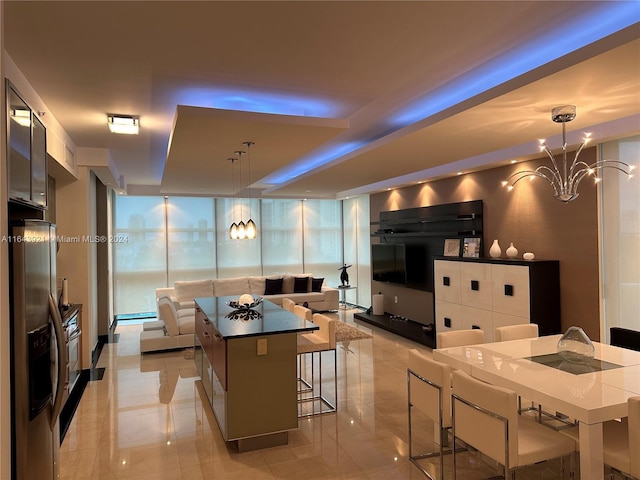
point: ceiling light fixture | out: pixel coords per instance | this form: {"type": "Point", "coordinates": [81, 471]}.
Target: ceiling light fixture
{"type": "Point", "coordinates": [251, 229]}
{"type": "Point", "coordinates": [565, 182]}
{"type": "Point", "coordinates": [123, 124]}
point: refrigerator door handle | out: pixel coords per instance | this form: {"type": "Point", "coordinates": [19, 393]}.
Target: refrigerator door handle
{"type": "Point", "coordinates": [62, 360]}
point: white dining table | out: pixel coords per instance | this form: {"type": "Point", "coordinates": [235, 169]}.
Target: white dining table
{"type": "Point", "coordinates": [591, 396]}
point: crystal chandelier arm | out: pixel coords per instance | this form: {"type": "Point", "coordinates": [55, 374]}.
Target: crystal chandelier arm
{"type": "Point", "coordinates": [599, 164]}
{"type": "Point", "coordinates": [617, 164]}
{"type": "Point", "coordinates": [576, 163]}
{"type": "Point", "coordinates": [553, 160]}
{"type": "Point", "coordinates": [537, 173]}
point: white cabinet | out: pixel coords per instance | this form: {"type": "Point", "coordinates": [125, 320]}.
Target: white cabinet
{"type": "Point", "coordinates": [491, 293]}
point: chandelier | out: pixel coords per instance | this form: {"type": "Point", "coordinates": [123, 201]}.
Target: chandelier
{"type": "Point", "coordinates": [565, 181]}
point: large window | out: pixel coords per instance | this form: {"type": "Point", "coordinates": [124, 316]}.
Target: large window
{"type": "Point", "coordinates": [281, 237]}
{"type": "Point", "coordinates": [186, 238]}
{"type": "Point", "coordinates": [141, 261]}
{"type": "Point", "coordinates": [191, 245]}
{"type": "Point", "coordinates": [323, 239]}
{"type": "Point", "coordinates": [620, 234]}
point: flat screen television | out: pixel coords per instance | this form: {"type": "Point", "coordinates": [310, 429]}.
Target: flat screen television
{"type": "Point", "coordinates": [388, 263]}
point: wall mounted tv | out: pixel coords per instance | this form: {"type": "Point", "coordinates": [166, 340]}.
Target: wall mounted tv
{"type": "Point", "coordinates": [406, 264]}
{"type": "Point", "coordinates": [388, 263]}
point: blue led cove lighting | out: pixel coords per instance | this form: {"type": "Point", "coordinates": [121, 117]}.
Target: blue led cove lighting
{"type": "Point", "coordinates": [259, 102]}
{"type": "Point", "coordinates": [307, 164]}
{"type": "Point", "coordinates": [593, 25]}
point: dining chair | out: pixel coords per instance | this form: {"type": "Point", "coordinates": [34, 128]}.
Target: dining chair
{"type": "Point", "coordinates": [486, 418]}
{"type": "Point", "coordinates": [460, 338]}
{"type": "Point", "coordinates": [516, 332]}
{"type": "Point", "coordinates": [621, 441]}
{"type": "Point", "coordinates": [429, 391]}
{"type": "Point", "coordinates": [625, 338]}
{"type": "Point", "coordinates": [530, 330]}
{"type": "Point", "coordinates": [319, 341]}
{"type": "Point", "coordinates": [519, 332]}
{"type": "Point", "coordinates": [288, 304]}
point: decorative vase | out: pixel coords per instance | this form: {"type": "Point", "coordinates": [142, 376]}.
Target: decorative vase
{"type": "Point", "coordinates": [495, 251]}
{"type": "Point", "coordinates": [575, 346]}
{"type": "Point", "coordinates": [528, 256]}
{"type": "Point", "coordinates": [512, 252]}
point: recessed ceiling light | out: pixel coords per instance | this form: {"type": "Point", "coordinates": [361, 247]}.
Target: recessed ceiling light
{"type": "Point", "coordinates": [124, 124]}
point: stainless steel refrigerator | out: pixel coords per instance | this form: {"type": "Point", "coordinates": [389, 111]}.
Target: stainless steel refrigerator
{"type": "Point", "coordinates": [37, 351]}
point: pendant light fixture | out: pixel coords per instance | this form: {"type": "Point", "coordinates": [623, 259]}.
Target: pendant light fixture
{"type": "Point", "coordinates": [251, 229]}
{"type": "Point", "coordinates": [242, 231]}
{"type": "Point", "coordinates": [233, 229]}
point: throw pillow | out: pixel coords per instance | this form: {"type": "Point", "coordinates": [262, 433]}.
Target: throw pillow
{"type": "Point", "coordinates": [300, 284]}
{"type": "Point", "coordinates": [273, 286]}
{"type": "Point", "coordinates": [316, 284]}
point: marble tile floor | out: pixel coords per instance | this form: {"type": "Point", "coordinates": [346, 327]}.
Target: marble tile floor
{"type": "Point", "coordinates": [146, 420]}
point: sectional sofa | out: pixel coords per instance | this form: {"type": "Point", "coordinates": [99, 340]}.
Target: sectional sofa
{"type": "Point", "coordinates": [175, 326]}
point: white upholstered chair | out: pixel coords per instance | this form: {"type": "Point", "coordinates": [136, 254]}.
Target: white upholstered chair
{"type": "Point", "coordinates": [288, 304]}
{"type": "Point", "coordinates": [460, 338]}
{"type": "Point", "coordinates": [516, 332]}
{"type": "Point", "coordinates": [519, 332]}
{"type": "Point", "coordinates": [176, 330]}
{"type": "Point", "coordinates": [486, 417]}
{"type": "Point", "coordinates": [621, 441]}
{"type": "Point", "coordinates": [429, 391]}
{"type": "Point", "coordinates": [317, 342]}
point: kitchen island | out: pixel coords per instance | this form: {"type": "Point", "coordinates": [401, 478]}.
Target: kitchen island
{"type": "Point", "coordinates": [247, 363]}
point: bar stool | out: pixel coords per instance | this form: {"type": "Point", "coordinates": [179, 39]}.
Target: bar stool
{"type": "Point", "coordinates": [288, 304]}
{"type": "Point", "coordinates": [319, 341]}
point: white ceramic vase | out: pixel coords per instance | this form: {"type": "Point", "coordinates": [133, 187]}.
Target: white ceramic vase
{"type": "Point", "coordinates": [495, 251]}
{"type": "Point", "coordinates": [512, 252]}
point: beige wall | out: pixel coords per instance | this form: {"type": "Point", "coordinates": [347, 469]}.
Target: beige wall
{"type": "Point", "coordinates": [529, 217]}
{"type": "Point", "coordinates": [76, 261]}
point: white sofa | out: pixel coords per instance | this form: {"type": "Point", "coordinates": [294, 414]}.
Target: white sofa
{"type": "Point", "coordinates": [178, 328]}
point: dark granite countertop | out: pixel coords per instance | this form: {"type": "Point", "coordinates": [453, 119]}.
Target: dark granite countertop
{"type": "Point", "coordinates": [273, 319]}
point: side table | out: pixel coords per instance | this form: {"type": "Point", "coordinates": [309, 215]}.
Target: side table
{"type": "Point", "coordinates": [343, 293]}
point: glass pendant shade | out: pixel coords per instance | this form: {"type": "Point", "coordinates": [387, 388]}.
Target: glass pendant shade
{"type": "Point", "coordinates": [251, 229]}
{"type": "Point", "coordinates": [233, 231]}
{"type": "Point", "coordinates": [575, 346]}
{"type": "Point", "coordinates": [242, 232]}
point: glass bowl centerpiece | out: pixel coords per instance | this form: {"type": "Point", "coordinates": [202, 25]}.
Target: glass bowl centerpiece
{"type": "Point", "coordinates": [575, 346]}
